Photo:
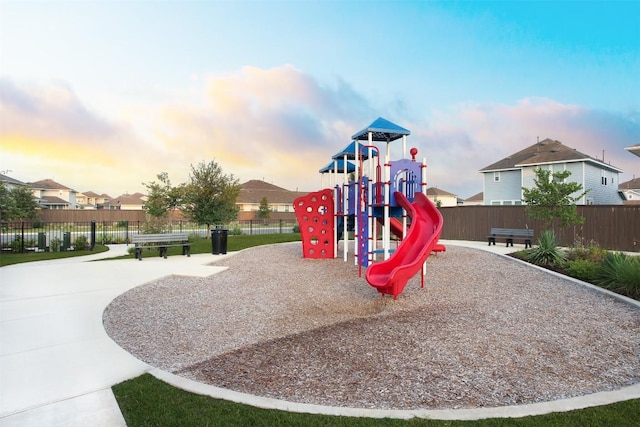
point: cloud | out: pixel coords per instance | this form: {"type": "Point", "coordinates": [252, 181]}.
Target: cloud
{"type": "Point", "coordinates": [49, 112]}
{"type": "Point", "coordinates": [278, 124]}
{"type": "Point", "coordinates": [463, 139]}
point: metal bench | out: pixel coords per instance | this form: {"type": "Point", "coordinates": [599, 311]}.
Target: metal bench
{"type": "Point", "coordinates": [511, 234]}
{"type": "Point", "coordinates": [162, 242]}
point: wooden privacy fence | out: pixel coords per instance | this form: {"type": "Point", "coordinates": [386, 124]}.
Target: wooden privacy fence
{"type": "Point", "coordinates": [612, 227]}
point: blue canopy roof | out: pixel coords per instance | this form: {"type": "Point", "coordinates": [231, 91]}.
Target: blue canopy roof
{"type": "Point", "coordinates": [351, 150]}
{"type": "Point", "coordinates": [330, 167]}
{"type": "Point", "coordinates": [382, 130]}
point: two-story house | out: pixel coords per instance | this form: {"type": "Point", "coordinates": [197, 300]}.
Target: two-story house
{"type": "Point", "coordinates": [504, 179]}
{"type": "Point", "coordinates": [442, 198]}
{"type": "Point", "coordinates": [53, 195]}
{"type": "Point", "coordinates": [279, 200]}
{"type": "Point", "coordinates": [126, 202]}
{"type": "Point", "coordinates": [91, 200]}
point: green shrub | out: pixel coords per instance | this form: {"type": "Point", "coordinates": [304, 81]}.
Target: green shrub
{"type": "Point", "coordinates": [235, 231]}
{"type": "Point", "coordinates": [583, 269]}
{"type": "Point", "coordinates": [81, 243]}
{"type": "Point", "coordinates": [55, 244]}
{"type": "Point", "coordinates": [547, 251]}
{"type": "Point", "coordinates": [620, 273]}
{"type": "Point", "coordinates": [37, 224]}
{"type": "Point", "coordinates": [122, 224]}
{"type": "Point", "coordinates": [16, 244]}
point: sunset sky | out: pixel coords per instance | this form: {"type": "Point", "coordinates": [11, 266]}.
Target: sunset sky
{"type": "Point", "coordinates": [104, 95]}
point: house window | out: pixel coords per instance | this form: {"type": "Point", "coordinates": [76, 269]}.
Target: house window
{"type": "Point", "coordinates": [496, 177]}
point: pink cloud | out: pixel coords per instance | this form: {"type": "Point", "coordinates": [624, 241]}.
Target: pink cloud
{"type": "Point", "coordinates": [282, 125]}
{"type": "Point", "coordinates": [468, 137]}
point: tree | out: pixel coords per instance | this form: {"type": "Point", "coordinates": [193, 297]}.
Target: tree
{"type": "Point", "coordinates": [552, 200]}
{"type": "Point", "coordinates": [210, 195]}
{"type": "Point", "coordinates": [263, 210]}
{"type": "Point", "coordinates": [161, 199]}
{"type": "Point", "coordinates": [17, 203]}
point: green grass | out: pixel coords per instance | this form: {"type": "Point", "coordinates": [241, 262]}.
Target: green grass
{"type": "Point", "coordinates": [11, 258]}
{"type": "Point", "coordinates": [234, 243]}
{"type": "Point", "coordinates": [147, 401]}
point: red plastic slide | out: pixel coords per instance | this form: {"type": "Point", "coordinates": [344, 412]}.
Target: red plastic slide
{"type": "Point", "coordinates": [395, 226]}
{"type": "Point", "coordinates": [391, 276]}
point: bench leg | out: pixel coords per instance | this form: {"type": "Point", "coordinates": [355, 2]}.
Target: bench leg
{"type": "Point", "coordinates": [527, 244]}
{"type": "Point", "coordinates": [139, 253]}
{"type": "Point", "coordinates": [186, 250]}
{"type": "Point", "coordinates": [492, 240]}
{"type": "Point", "coordinates": [509, 242]}
{"type": "Point", "coordinates": [163, 252]}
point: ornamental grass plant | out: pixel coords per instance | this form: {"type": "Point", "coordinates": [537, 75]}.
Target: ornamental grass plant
{"type": "Point", "coordinates": [620, 273]}
{"type": "Point", "coordinates": [547, 253]}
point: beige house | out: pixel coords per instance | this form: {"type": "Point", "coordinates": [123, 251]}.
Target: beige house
{"type": "Point", "coordinates": [53, 195]}
{"type": "Point", "coordinates": [441, 198]}
{"type": "Point", "coordinates": [280, 200]}
{"type": "Point", "coordinates": [91, 200]}
{"type": "Point", "coordinates": [126, 202]}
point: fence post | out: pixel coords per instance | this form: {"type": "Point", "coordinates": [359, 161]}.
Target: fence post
{"type": "Point", "coordinates": [280, 226]}
{"type": "Point", "coordinates": [126, 232]}
{"type": "Point", "coordinates": [93, 234]}
{"type": "Point", "coordinates": [22, 237]}
{"type": "Point", "coordinates": [250, 226]}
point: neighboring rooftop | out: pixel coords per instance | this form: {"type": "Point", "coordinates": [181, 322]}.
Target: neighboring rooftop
{"type": "Point", "coordinates": [634, 149]}
{"type": "Point", "coordinates": [476, 198]}
{"type": "Point", "coordinates": [633, 184]}
{"type": "Point", "coordinates": [435, 191]}
{"type": "Point", "coordinates": [9, 180]}
{"type": "Point", "coordinates": [545, 152]}
{"type": "Point", "coordinates": [254, 190]}
{"type": "Point", "coordinates": [49, 184]}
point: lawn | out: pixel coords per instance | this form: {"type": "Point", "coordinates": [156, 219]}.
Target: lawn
{"type": "Point", "coordinates": [17, 258]}
{"type": "Point", "coordinates": [147, 401]}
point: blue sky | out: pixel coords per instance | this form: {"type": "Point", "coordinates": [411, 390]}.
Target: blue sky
{"type": "Point", "coordinates": [103, 95]}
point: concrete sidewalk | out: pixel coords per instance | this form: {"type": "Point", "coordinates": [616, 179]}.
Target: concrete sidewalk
{"type": "Point", "coordinates": [57, 364]}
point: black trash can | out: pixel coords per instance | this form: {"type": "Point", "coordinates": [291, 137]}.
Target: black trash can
{"type": "Point", "coordinates": [219, 240]}
{"type": "Point", "coordinates": [66, 241]}
{"type": "Point", "coordinates": [42, 242]}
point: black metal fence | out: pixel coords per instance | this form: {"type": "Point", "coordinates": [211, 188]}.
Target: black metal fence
{"type": "Point", "coordinates": [23, 236]}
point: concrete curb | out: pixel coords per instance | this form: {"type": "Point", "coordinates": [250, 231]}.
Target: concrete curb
{"type": "Point", "coordinates": [563, 405]}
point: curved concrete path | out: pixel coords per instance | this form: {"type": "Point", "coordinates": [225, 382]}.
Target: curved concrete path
{"type": "Point", "coordinates": [57, 364]}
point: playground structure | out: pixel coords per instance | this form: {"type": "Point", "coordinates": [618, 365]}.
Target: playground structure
{"type": "Point", "coordinates": [373, 201]}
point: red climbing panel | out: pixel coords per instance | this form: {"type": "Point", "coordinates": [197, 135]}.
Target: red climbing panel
{"type": "Point", "coordinates": [315, 218]}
